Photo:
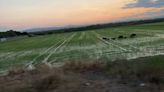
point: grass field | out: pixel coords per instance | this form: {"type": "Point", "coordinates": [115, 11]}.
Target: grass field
{"type": "Point", "coordinates": [83, 45]}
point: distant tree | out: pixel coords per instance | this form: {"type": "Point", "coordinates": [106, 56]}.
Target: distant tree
{"type": "Point", "coordinates": [12, 33]}
{"type": "Point", "coordinates": [24, 33]}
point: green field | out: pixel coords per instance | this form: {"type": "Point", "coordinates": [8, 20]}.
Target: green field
{"type": "Point", "coordinates": [83, 46]}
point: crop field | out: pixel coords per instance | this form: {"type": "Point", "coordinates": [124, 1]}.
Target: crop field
{"type": "Point", "coordinates": [85, 45]}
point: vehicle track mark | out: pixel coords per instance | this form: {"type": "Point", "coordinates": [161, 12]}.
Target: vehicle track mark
{"type": "Point", "coordinates": [58, 47]}
{"type": "Point", "coordinates": [99, 37]}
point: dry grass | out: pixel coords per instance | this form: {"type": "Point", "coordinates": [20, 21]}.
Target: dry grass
{"type": "Point", "coordinates": [48, 82]}
{"type": "Point", "coordinates": [78, 76]}
{"type": "Point", "coordinates": [80, 66]}
{"type": "Point", "coordinates": [149, 69]}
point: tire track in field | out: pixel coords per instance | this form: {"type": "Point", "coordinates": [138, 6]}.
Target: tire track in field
{"type": "Point", "coordinates": [82, 35]}
{"type": "Point", "coordinates": [100, 38]}
{"type": "Point", "coordinates": [140, 53]}
{"type": "Point", "coordinates": [83, 45]}
{"type": "Point", "coordinates": [63, 46]}
{"type": "Point", "coordinates": [99, 45]}
{"type": "Point", "coordinates": [15, 54]}
{"type": "Point", "coordinates": [156, 36]}
{"type": "Point", "coordinates": [123, 50]}
{"type": "Point", "coordinates": [43, 53]}
{"type": "Point", "coordinates": [130, 46]}
{"type": "Point", "coordinates": [97, 53]}
{"type": "Point", "coordinates": [67, 55]}
{"type": "Point", "coordinates": [30, 65]}
{"type": "Point", "coordinates": [58, 47]}
{"type": "Point", "coordinates": [123, 44]}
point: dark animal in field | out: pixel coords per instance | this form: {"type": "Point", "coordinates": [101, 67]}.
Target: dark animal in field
{"type": "Point", "coordinates": [125, 37]}
{"type": "Point", "coordinates": [30, 35]}
{"type": "Point", "coordinates": [50, 33]}
{"type": "Point", "coordinates": [113, 38]}
{"type": "Point", "coordinates": [120, 37]}
{"type": "Point", "coordinates": [133, 35]}
{"type": "Point", "coordinates": [104, 38]}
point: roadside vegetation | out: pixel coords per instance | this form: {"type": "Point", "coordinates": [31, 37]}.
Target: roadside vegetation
{"type": "Point", "coordinates": [137, 75]}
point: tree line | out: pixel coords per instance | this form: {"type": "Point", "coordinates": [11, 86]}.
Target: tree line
{"type": "Point", "coordinates": [12, 33]}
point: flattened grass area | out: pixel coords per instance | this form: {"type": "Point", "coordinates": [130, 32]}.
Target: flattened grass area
{"type": "Point", "coordinates": [137, 75]}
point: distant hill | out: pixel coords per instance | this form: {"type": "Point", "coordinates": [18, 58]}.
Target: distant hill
{"type": "Point", "coordinates": [43, 29]}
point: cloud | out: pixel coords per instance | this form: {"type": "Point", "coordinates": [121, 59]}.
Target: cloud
{"type": "Point", "coordinates": [155, 13]}
{"type": "Point", "coordinates": [145, 15]}
{"type": "Point", "coordinates": [146, 4]}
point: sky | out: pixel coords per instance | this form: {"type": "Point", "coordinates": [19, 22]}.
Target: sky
{"type": "Point", "coordinates": [24, 14]}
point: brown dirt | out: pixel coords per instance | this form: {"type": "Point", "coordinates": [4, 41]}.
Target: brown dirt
{"type": "Point", "coordinates": [89, 78]}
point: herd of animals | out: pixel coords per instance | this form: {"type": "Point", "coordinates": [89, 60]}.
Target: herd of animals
{"type": "Point", "coordinates": [120, 37]}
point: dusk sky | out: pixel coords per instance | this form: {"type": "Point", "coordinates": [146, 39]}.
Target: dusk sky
{"type": "Point", "coordinates": [24, 14]}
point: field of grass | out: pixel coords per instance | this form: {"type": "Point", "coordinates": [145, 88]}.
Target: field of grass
{"type": "Point", "coordinates": [87, 45]}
